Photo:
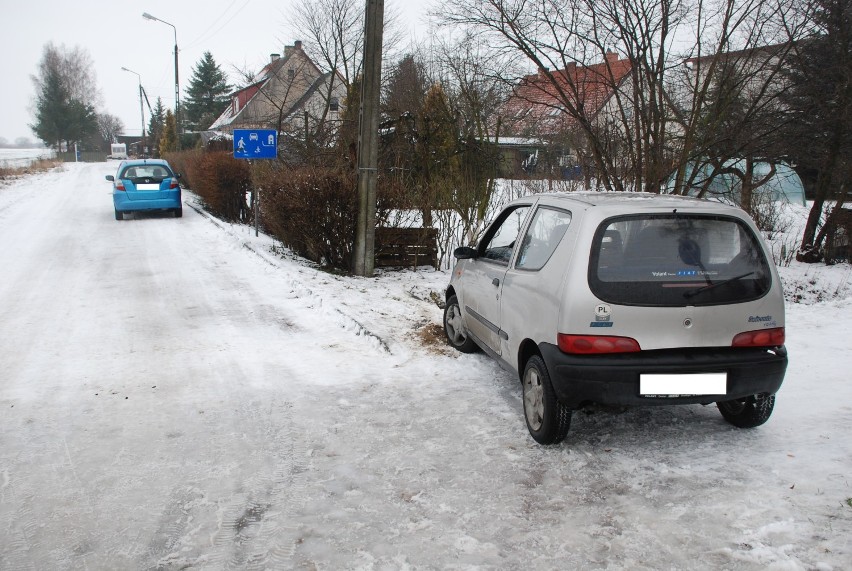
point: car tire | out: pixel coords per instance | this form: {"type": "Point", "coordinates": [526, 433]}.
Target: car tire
{"type": "Point", "coordinates": [454, 328]}
{"type": "Point", "coordinates": [748, 412]}
{"type": "Point", "coordinates": [548, 420]}
{"type": "Point", "coordinates": [119, 215]}
{"type": "Point", "coordinates": [178, 212]}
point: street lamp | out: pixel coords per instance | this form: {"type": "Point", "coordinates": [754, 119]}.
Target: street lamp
{"type": "Point", "coordinates": [141, 109]}
{"type": "Point", "coordinates": [148, 16]}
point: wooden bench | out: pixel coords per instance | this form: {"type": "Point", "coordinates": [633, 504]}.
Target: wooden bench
{"type": "Point", "coordinates": [406, 247]}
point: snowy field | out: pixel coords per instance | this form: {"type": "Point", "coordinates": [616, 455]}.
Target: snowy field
{"type": "Point", "coordinates": [177, 396]}
{"type": "Point", "coordinates": [16, 158]}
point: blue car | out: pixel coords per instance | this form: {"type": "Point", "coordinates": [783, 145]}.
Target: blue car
{"type": "Point", "coordinates": [146, 184]}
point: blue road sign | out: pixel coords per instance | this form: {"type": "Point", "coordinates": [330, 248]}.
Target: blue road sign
{"type": "Point", "coordinates": [255, 144]}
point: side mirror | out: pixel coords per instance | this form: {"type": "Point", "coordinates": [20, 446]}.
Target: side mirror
{"type": "Point", "coordinates": [465, 253]}
{"type": "Point", "coordinates": [178, 175]}
{"type": "Point", "coordinates": [110, 178]}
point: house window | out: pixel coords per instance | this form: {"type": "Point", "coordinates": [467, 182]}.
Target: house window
{"type": "Point", "coordinates": [334, 104]}
{"type": "Point", "coordinates": [291, 74]}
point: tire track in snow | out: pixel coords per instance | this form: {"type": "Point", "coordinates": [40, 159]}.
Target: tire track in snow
{"type": "Point", "coordinates": [250, 529]}
{"type": "Point", "coordinates": [301, 290]}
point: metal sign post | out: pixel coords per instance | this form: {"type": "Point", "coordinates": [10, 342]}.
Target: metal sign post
{"type": "Point", "coordinates": [255, 144]}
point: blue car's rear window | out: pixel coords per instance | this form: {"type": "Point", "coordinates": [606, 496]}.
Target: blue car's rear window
{"type": "Point", "coordinates": [152, 172]}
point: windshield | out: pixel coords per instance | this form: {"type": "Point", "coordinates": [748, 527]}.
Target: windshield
{"type": "Point", "coordinates": [141, 172]}
{"type": "Point", "coordinates": [677, 260]}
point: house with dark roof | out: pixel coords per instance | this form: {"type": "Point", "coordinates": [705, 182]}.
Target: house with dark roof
{"type": "Point", "coordinates": [290, 94]}
{"type": "Point", "coordinates": [547, 107]}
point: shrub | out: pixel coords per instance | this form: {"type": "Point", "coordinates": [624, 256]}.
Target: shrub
{"type": "Point", "coordinates": [312, 210]}
{"type": "Point", "coordinates": [221, 182]}
{"type": "Point", "coordinates": [184, 162]}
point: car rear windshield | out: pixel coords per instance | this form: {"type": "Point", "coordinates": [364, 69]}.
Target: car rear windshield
{"type": "Point", "coordinates": [154, 173]}
{"type": "Point", "coordinates": [677, 260]}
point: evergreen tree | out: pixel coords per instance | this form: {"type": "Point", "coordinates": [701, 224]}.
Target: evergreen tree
{"type": "Point", "coordinates": [168, 142]}
{"type": "Point", "coordinates": [406, 88]}
{"type": "Point", "coordinates": [62, 114]}
{"type": "Point", "coordinates": [435, 153]}
{"type": "Point", "coordinates": [51, 103]}
{"type": "Point", "coordinates": [156, 126]}
{"type": "Point", "coordinates": [207, 94]}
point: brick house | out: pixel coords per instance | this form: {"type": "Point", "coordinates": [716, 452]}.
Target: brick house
{"type": "Point", "coordinates": [536, 110]}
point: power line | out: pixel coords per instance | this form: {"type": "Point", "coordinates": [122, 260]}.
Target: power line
{"type": "Point", "coordinates": [204, 36]}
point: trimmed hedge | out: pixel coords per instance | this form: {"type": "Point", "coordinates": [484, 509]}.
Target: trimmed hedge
{"type": "Point", "coordinates": [218, 179]}
{"type": "Point", "coordinates": [311, 210]}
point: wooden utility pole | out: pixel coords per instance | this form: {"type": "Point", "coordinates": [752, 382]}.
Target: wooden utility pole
{"type": "Point", "coordinates": [368, 139]}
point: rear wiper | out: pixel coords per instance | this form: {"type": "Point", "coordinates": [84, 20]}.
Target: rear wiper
{"type": "Point", "coordinates": [694, 292]}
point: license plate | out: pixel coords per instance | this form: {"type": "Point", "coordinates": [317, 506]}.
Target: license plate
{"type": "Point", "coordinates": [658, 385]}
{"type": "Point", "coordinates": [144, 186]}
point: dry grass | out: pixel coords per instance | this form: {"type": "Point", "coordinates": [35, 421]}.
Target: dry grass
{"type": "Point", "coordinates": [40, 165]}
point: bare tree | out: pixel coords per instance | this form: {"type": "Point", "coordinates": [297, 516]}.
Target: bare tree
{"type": "Point", "coordinates": [821, 98]}
{"type": "Point", "coordinates": [473, 74]}
{"type": "Point", "coordinates": [333, 34]}
{"type": "Point", "coordinates": [442, 126]}
{"type": "Point", "coordinates": [109, 127]}
{"type": "Point", "coordinates": [655, 118]}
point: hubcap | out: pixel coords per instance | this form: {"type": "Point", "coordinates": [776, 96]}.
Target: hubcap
{"type": "Point", "coordinates": [454, 327]}
{"type": "Point", "coordinates": [533, 399]}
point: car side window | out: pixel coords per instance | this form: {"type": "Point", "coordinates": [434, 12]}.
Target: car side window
{"type": "Point", "coordinates": [500, 242]}
{"type": "Point", "coordinates": [546, 230]}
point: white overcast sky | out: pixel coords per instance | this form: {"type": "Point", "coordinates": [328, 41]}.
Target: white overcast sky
{"type": "Point", "coordinates": [239, 33]}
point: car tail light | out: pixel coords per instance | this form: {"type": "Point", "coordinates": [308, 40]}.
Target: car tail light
{"type": "Point", "coordinates": [761, 338]}
{"type": "Point", "coordinates": [174, 184]}
{"type": "Point", "coordinates": [119, 185]}
{"type": "Point", "coordinates": [596, 344]}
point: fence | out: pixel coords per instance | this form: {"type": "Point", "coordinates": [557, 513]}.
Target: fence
{"type": "Point", "coordinates": [84, 157]}
{"type": "Point", "coordinates": [406, 247]}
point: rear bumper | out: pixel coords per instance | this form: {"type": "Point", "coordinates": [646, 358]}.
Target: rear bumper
{"type": "Point", "coordinates": [168, 202]}
{"type": "Point", "coordinates": [614, 379]}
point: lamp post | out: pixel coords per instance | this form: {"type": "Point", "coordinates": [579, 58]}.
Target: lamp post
{"type": "Point", "coordinates": [141, 109]}
{"type": "Point", "coordinates": [148, 16]}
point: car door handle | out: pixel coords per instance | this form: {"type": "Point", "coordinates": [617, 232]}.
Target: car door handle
{"type": "Point", "coordinates": [495, 282]}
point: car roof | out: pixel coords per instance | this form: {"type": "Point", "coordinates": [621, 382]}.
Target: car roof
{"type": "Point", "coordinates": [591, 199]}
{"type": "Point", "coordinates": [137, 162]}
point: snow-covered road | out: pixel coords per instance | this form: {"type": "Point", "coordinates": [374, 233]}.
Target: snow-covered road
{"type": "Point", "coordinates": [174, 395]}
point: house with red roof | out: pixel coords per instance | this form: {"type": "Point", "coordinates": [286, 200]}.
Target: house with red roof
{"type": "Point", "coordinates": [549, 107]}
{"type": "Point", "coordinates": [548, 103]}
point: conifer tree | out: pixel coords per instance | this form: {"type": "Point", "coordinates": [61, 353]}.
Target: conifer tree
{"type": "Point", "coordinates": [168, 142]}
{"type": "Point", "coordinates": [63, 112]}
{"type": "Point", "coordinates": [156, 126]}
{"type": "Point", "coordinates": [207, 94]}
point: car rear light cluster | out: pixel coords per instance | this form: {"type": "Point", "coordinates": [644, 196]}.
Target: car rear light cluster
{"type": "Point", "coordinates": [119, 185]}
{"type": "Point", "coordinates": [596, 344]}
{"type": "Point", "coordinates": [762, 338]}
{"type": "Point", "coordinates": [174, 183]}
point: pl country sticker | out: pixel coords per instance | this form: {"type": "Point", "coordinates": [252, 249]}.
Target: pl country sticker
{"type": "Point", "coordinates": [603, 316]}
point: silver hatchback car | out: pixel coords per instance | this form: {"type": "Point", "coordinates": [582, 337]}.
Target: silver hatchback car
{"type": "Point", "coordinates": [623, 299]}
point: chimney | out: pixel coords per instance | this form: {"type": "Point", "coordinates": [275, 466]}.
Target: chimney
{"type": "Point", "coordinates": [273, 57]}
{"type": "Point", "coordinates": [288, 50]}
{"type": "Point", "coordinates": [542, 72]}
{"type": "Point", "coordinates": [611, 56]}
